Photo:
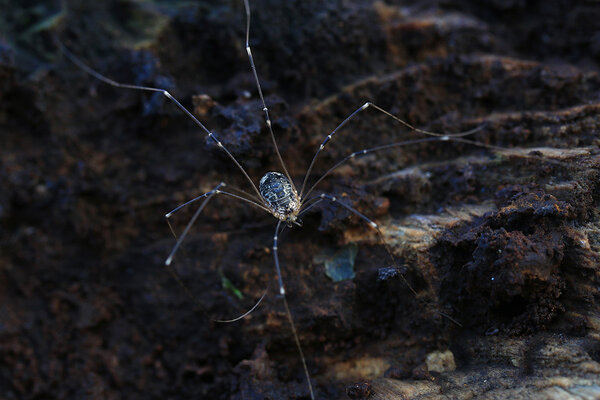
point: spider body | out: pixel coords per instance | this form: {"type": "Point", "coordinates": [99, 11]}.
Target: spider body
{"type": "Point", "coordinates": [280, 196]}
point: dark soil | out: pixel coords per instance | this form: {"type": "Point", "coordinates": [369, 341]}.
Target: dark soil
{"type": "Point", "coordinates": [505, 243]}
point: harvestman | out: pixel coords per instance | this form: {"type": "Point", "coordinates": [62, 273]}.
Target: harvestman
{"type": "Point", "coordinates": [276, 193]}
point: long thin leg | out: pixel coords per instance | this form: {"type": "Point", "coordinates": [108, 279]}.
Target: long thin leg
{"type": "Point", "coordinates": [186, 290]}
{"type": "Point", "coordinates": [246, 194]}
{"type": "Point", "coordinates": [244, 315]}
{"type": "Point", "coordinates": [109, 81]}
{"type": "Point", "coordinates": [371, 150]}
{"type": "Point", "coordinates": [202, 196]}
{"type": "Point", "coordinates": [260, 93]}
{"type": "Point", "coordinates": [287, 310]}
{"type": "Point", "coordinates": [406, 124]}
{"type": "Point", "coordinates": [373, 225]}
{"type": "Point", "coordinates": [235, 196]}
{"type": "Point", "coordinates": [306, 206]}
{"type": "Point", "coordinates": [424, 140]}
{"type": "Point", "coordinates": [194, 299]}
{"type": "Point", "coordinates": [206, 196]}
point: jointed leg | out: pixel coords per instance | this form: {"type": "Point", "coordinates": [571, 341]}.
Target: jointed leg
{"type": "Point", "coordinates": [111, 82]}
{"type": "Point", "coordinates": [371, 150]}
{"type": "Point", "coordinates": [260, 93]}
{"type": "Point", "coordinates": [218, 191]}
{"type": "Point", "coordinates": [308, 204]}
{"type": "Point", "coordinates": [207, 196]}
{"type": "Point", "coordinates": [194, 299]}
{"type": "Point", "coordinates": [445, 138]}
{"type": "Point", "coordinates": [441, 136]}
{"type": "Point", "coordinates": [287, 309]}
{"type": "Point", "coordinates": [373, 225]}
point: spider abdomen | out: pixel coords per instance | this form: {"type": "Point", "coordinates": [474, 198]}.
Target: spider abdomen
{"type": "Point", "coordinates": [279, 195]}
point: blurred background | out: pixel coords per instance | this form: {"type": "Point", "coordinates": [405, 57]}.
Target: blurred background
{"type": "Point", "coordinates": [506, 243]}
